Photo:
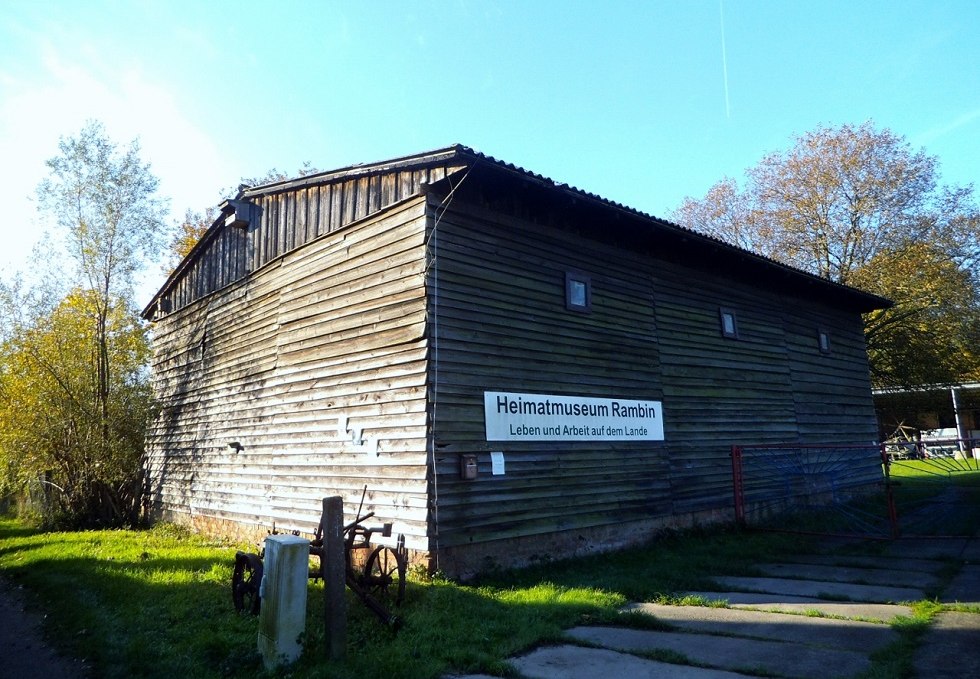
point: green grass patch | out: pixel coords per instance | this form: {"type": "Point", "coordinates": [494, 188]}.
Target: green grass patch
{"type": "Point", "coordinates": [157, 604]}
{"type": "Point", "coordinates": [664, 567]}
{"type": "Point", "coordinates": [690, 600]}
{"type": "Point", "coordinates": [125, 600]}
{"type": "Point", "coordinates": [936, 496]}
{"type": "Point", "coordinates": [896, 659]}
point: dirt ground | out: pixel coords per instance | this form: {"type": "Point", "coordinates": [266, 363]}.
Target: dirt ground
{"type": "Point", "coordinates": [24, 654]}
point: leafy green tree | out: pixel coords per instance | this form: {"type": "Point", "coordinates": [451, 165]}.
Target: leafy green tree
{"type": "Point", "coordinates": [933, 335]}
{"type": "Point", "coordinates": [104, 200]}
{"type": "Point", "coordinates": [74, 367]}
{"type": "Point", "coordinates": [857, 205]}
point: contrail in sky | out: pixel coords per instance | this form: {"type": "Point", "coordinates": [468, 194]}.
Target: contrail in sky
{"type": "Point", "coordinates": [724, 57]}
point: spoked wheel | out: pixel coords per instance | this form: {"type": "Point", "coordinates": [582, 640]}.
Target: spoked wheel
{"type": "Point", "coordinates": [384, 575]}
{"type": "Point", "coordinates": [245, 581]}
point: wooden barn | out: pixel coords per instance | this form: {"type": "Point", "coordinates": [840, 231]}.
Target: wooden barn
{"type": "Point", "coordinates": [514, 368]}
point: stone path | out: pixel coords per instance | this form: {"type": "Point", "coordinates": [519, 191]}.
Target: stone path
{"type": "Point", "coordinates": [812, 615]}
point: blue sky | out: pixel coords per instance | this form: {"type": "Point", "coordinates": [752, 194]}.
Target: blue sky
{"type": "Point", "coordinates": [641, 102]}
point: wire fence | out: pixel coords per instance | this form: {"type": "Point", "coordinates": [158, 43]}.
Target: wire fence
{"type": "Point", "coordinates": [881, 491]}
{"type": "Point", "coordinates": [934, 486]}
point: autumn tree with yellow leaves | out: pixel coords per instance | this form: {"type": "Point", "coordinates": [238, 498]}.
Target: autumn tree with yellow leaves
{"type": "Point", "coordinates": [857, 205]}
{"type": "Point", "coordinates": [73, 449]}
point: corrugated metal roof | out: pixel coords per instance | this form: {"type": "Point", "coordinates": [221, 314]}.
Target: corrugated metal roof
{"type": "Point", "coordinates": [875, 301]}
{"type": "Point", "coordinates": [473, 157]}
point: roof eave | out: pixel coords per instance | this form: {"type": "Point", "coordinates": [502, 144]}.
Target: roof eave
{"type": "Point", "coordinates": [862, 301]}
{"type": "Point", "coordinates": [434, 157]}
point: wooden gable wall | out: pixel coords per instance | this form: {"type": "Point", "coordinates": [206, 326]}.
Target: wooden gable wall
{"type": "Point", "coordinates": [286, 219]}
{"type": "Point", "coordinates": [331, 333]}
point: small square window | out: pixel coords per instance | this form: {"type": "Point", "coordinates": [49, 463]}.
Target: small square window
{"type": "Point", "coordinates": [823, 341]}
{"type": "Point", "coordinates": [578, 292]}
{"type": "Point", "coordinates": [729, 323]}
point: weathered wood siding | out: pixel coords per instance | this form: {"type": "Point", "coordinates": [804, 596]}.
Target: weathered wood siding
{"type": "Point", "coordinates": [770, 385]}
{"type": "Point", "coordinates": [333, 329]}
{"type": "Point", "coordinates": [287, 219]}
{"type": "Point", "coordinates": [831, 390]}
{"type": "Point", "coordinates": [497, 297]}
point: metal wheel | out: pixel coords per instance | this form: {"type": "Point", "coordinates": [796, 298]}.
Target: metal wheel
{"type": "Point", "coordinates": [384, 575]}
{"type": "Point", "coordinates": [245, 581]}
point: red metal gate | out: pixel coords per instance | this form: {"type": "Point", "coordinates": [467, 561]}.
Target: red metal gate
{"type": "Point", "coordinates": [830, 488]}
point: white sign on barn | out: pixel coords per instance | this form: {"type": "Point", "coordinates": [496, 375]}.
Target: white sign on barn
{"type": "Point", "coordinates": [544, 417]}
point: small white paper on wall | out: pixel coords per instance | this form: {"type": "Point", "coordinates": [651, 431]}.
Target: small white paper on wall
{"type": "Point", "coordinates": [497, 463]}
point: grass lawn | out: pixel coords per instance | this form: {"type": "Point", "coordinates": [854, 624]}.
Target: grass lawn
{"type": "Point", "coordinates": [937, 496]}
{"type": "Point", "coordinates": [157, 603]}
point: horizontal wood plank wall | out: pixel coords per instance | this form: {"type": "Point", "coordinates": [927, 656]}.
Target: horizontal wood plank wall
{"type": "Point", "coordinates": [288, 219]}
{"type": "Point", "coordinates": [335, 329]}
{"type": "Point", "coordinates": [769, 385]}
{"type": "Point", "coordinates": [833, 390]}
{"type": "Point", "coordinates": [654, 333]}
{"type": "Point", "coordinates": [503, 326]}
{"type": "Point", "coordinates": [718, 390]}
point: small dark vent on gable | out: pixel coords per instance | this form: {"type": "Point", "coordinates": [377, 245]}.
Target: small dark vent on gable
{"type": "Point", "coordinates": [238, 213]}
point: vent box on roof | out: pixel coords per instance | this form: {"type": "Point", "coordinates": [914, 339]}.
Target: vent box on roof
{"type": "Point", "coordinates": [237, 213]}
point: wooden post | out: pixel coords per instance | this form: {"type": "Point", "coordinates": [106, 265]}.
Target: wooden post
{"type": "Point", "coordinates": [334, 579]}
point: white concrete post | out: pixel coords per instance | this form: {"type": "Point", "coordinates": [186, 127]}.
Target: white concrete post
{"type": "Point", "coordinates": [282, 617]}
{"type": "Point", "coordinates": [961, 431]}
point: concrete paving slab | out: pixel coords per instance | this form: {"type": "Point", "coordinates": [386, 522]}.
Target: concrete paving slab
{"type": "Point", "coordinates": [867, 576]}
{"type": "Point", "coordinates": [774, 657]}
{"type": "Point", "coordinates": [949, 649]}
{"type": "Point", "coordinates": [840, 591]}
{"type": "Point", "coordinates": [755, 633]}
{"type": "Point", "coordinates": [964, 589]}
{"type": "Point", "coordinates": [800, 604]}
{"type": "Point", "coordinates": [927, 548]}
{"type": "Point", "coordinates": [856, 561]}
{"type": "Point", "coordinates": [577, 662]}
{"type": "Point", "coordinates": [801, 629]}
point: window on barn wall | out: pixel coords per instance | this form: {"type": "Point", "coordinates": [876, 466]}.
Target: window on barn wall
{"type": "Point", "coordinates": [729, 322]}
{"type": "Point", "coordinates": [578, 292]}
{"type": "Point", "coordinates": [823, 341]}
